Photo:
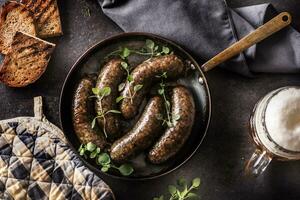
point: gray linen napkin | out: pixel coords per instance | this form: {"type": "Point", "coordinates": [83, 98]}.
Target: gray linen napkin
{"type": "Point", "coordinates": [205, 27]}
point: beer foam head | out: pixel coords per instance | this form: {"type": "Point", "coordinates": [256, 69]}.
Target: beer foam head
{"type": "Point", "coordinates": [282, 119]}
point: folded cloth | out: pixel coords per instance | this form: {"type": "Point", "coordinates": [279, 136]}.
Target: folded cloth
{"type": "Point", "coordinates": [206, 27]}
{"type": "Point", "coordinates": [37, 163]}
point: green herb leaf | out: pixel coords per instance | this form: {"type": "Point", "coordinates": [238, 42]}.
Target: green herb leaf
{"type": "Point", "coordinates": [168, 104]}
{"type": "Point", "coordinates": [94, 122]}
{"type": "Point", "coordinates": [184, 192]}
{"type": "Point", "coordinates": [96, 91]}
{"type": "Point", "coordinates": [164, 75]}
{"type": "Point", "coordinates": [103, 159]}
{"type": "Point", "coordinates": [161, 91]}
{"type": "Point", "coordinates": [81, 152]}
{"type": "Point", "coordinates": [156, 48]}
{"type": "Point", "coordinates": [104, 169]}
{"type": "Point", "coordinates": [172, 189]}
{"type": "Point", "coordinates": [169, 124]}
{"type": "Point", "coordinates": [165, 50]}
{"type": "Point", "coordinates": [114, 111]}
{"type": "Point", "coordinates": [137, 87]}
{"type": "Point", "coordinates": [126, 52]}
{"type": "Point", "coordinates": [120, 98]}
{"type": "Point", "coordinates": [149, 44]}
{"type": "Point", "coordinates": [196, 182]}
{"type": "Point", "coordinates": [98, 150]}
{"type": "Point", "coordinates": [81, 149]}
{"type": "Point", "coordinates": [175, 117]}
{"type": "Point", "coordinates": [100, 113]}
{"type": "Point", "coordinates": [93, 154]}
{"type": "Point", "coordinates": [130, 78]}
{"type": "Point", "coordinates": [124, 65]}
{"type": "Point", "coordinates": [105, 91]}
{"type": "Point", "coordinates": [126, 169]}
{"type": "Point", "coordinates": [90, 147]}
{"type": "Point", "coordinates": [121, 87]}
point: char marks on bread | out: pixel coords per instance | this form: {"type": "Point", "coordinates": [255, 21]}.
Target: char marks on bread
{"type": "Point", "coordinates": [27, 60]}
{"type": "Point", "coordinates": [14, 17]}
{"type": "Point", "coordinates": [47, 17]}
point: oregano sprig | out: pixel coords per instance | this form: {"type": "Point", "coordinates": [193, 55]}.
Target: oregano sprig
{"type": "Point", "coordinates": [150, 49]}
{"type": "Point", "coordinates": [170, 119]}
{"type": "Point", "coordinates": [100, 93]}
{"type": "Point", "coordinates": [103, 159]}
{"type": "Point", "coordinates": [129, 79]}
{"type": "Point", "coordinates": [182, 191]}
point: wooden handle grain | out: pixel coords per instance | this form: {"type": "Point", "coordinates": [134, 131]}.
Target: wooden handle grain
{"type": "Point", "coordinates": [262, 32]}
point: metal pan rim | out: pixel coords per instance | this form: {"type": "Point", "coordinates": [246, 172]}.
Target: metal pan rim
{"type": "Point", "coordinates": [103, 43]}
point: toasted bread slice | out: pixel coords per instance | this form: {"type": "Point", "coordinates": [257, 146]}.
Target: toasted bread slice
{"type": "Point", "coordinates": [27, 60]}
{"type": "Point", "coordinates": [46, 14]}
{"type": "Point", "coordinates": [14, 17]}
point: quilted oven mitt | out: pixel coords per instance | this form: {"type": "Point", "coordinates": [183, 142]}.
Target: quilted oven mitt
{"type": "Point", "coordinates": [37, 163]}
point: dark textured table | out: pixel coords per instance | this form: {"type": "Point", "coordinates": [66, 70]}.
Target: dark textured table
{"type": "Point", "coordinates": [220, 160]}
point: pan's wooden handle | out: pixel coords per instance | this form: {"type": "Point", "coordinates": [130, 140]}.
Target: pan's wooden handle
{"type": "Point", "coordinates": [262, 32]}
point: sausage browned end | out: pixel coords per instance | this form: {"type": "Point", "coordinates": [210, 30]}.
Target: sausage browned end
{"type": "Point", "coordinates": [175, 137]}
{"type": "Point", "coordinates": [143, 134]}
{"type": "Point", "coordinates": [144, 74]}
{"type": "Point", "coordinates": [81, 114]}
{"type": "Point", "coordinates": [111, 75]}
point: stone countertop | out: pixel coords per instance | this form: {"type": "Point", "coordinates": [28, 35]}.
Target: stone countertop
{"type": "Point", "coordinates": [220, 160]}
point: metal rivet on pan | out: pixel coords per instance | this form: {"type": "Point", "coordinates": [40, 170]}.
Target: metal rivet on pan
{"type": "Point", "coordinates": [190, 64]}
{"type": "Point", "coordinates": [193, 66]}
{"type": "Point", "coordinates": [201, 81]}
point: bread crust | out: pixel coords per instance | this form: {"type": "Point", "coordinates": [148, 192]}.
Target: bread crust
{"type": "Point", "coordinates": [47, 17]}
{"type": "Point", "coordinates": [26, 62]}
{"type": "Point", "coordinates": [14, 17]}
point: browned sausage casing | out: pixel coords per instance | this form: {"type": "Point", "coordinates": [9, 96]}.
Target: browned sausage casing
{"type": "Point", "coordinates": [143, 134]}
{"type": "Point", "coordinates": [175, 137]}
{"type": "Point", "coordinates": [144, 74]}
{"type": "Point", "coordinates": [81, 114]}
{"type": "Point", "coordinates": [111, 75]}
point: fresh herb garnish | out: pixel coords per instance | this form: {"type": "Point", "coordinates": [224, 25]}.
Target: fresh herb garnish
{"type": "Point", "coordinates": [182, 191]}
{"type": "Point", "coordinates": [103, 159]}
{"type": "Point", "coordinates": [129, 79]}
{"type": "Point", "coordinates": [100, 94]}
{"type": "Point", "coordinates": [150, 49]}
{"type": "Point", "coordinates": [169, 120]}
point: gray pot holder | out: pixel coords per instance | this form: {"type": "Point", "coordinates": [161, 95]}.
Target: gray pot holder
{"type": "Point", "coordinates": [37, 163]}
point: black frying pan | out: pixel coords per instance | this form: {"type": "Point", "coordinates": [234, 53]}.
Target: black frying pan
{"type": "Point", "coordinates": [92, 60]}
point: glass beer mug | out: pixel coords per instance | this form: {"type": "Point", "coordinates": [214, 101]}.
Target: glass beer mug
{"type": "Point", "coordinates": [275, 129]}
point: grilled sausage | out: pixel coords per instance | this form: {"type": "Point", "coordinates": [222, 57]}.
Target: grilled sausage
{"type": "Point", "coordinates": [82, 114]}
{"type": "Point", "coordinates": [143, 134]}
{"type": "Point", "coordinates": [144, 74]}
{"type": "Point", "coordinates": [175, 137]}
{"type": "Point", "coordinates": [111, 75]}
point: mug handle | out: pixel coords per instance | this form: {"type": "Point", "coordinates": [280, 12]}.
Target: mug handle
{"type": "Point", "coordinates": [258, 162]}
